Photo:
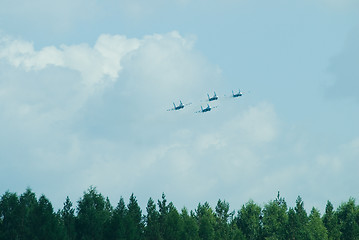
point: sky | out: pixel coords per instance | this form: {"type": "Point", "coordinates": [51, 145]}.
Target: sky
{"type": "Point", "coordinates": [85, 85]}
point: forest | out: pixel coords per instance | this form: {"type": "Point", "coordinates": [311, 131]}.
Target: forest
{"type": "Point", "coordinates": [94, 218]}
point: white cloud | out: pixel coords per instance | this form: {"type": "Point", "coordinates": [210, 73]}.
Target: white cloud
{"type": "Point", "coordinates": [82, 112]}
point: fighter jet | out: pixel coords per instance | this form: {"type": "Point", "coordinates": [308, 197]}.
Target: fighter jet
{"type": "Point", "coordinates": [238, 94]}
{"type": "Point", "coordinates": [180, 106]}
{"type": "Point", "coordinates": [207, 109]}
{"type": "Point", "coordinates": [215, 97]}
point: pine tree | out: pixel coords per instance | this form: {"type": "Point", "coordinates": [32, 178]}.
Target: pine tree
{"type": "Point", "coordinates": [9, 216]}
{"type": "Point", "coordinates": [275, 219]}
{"type": "Point", "coordinates": [92, 214]}
{"type": "Point", "coordinates": [28, 203]}
{"type": "Point", "coordinates": [115, 228]}
{"type": "Point", "coordinates": [47, 222]}
{"type": "Point", "coordinates": [223, 216]}
{"type": "Point", "coordinates": [152, 230]}
{"type": "Point", "coordinates": [68, 218]}
{"type": "Point", "coordinates": [297, 221]}
{"type": "Point", "coordinates": [348, 220]}
{"type": "Point", "coordinates": [316, 228]}
{"type": "Point", "coordinates": [134, 223]}
{"type": "Point", "coordinates": [249, 220]}
{"type": "Point", "coordinates": [190, 229]}
{"type": "Point", "coordinates": [331, 223]}
{"type": "Point", "coordinates": [206, 221]}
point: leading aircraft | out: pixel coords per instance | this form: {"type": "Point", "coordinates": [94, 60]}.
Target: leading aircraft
{"type": "Point", "coordinates": [180, 106]}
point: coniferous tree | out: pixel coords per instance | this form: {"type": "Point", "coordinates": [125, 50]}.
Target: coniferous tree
{"type": "Point", "coordinates": [206, 221]}
{"type": "Point", "coordinates": [68, 218]}
{"type": "Point", "coordinates": [348, 220]}
{"type": "Point", "coordinates": [28, 203]}
{"type": "Point", "coordinates": [316, 228]}
{"type": "Point", "coordinates": [46, 221]}
{"type": "Point", "coordinates": [115, 228]}
{"type": "Point", "coordinates": [92, 214]}
{"type": "Point", "coordinates": [223, 216]}
{"type": "Point", "coordinates": [249, 220]}
{"type": "Point", "coordinates": [152, 230]}
{"type": "Point", "coordinates": [297, 221]}
{"type": "Point", "coordinates": [330, 220]}
{"type": "Point", "coordinates": [169, 219]}
{"type": "Point", "coordinates": [189, 230]}
{"type": "Point", "coordinates": [134, 223]}
{"type": "Point", "coordinates": [173, 223]}
{"type": "Point", "coordinates": [275, 219]}
{"type": "Point", "coordinates": [9, 216]}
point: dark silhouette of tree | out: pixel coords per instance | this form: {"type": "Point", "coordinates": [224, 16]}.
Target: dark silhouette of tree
{"type": "Point", "coordinates": [9, 216]}
{"type": "Point", "coordinates": [68, 218]}
{"type": "Point", "coordinates": [28, 203]}
{"type": "Point", "coordinates": [46, 221]}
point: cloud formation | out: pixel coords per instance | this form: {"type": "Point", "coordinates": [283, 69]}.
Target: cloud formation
{"type": "Point", "coordinates": [83, 112]}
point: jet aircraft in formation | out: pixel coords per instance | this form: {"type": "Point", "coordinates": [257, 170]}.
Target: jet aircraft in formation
{"type": "Point", "coordinates": [180, 106]}
{"type": "Point", "coordinates": [215, 97]}
{"type": "Point", "coordinates": [207, 109]}
{"type": "Point", "coordinates": [210, 99]}
{"type": "Point", "coordinates": [238, 94]}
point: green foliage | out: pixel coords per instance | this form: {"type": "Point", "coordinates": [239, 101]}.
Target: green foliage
{"type": "Point", "coordinates": [348, 220]}
{"type": "Point", "coordinates": [9, 216]}
{"type": "Point", "coordinates": [152, 220]}
{"type": "Point", "coordinates": [330, 220]}
{"type": "Point", "coordinates": [26, 217]}
{"type": "Point", "coordinates": [275, 219]}
{"type": "Point", "coordinates": [67, 215]}
{"type": "Point", "coordinates": [316, 228]}
{"type": "Point", "coordinates": [189, 226]}
{"type": "Point", "coordinates": [133, 221]}
{"type": "Point", "coordinates": [223, 216]}
{"type": "Point", "coordinates": [297, 221]}
{"type": "Point", "coordinates": [249, 220]}
{"type": "Point", "coordinates": [206, 221]}
{"type": "Point", "coordinates": [92, 214]}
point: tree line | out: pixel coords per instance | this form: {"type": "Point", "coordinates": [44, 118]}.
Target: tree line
{"type": "Point", "coordinates": [94, 218]}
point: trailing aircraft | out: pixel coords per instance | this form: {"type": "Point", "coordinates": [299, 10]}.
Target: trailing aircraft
{"type": "Point", "coordinates": [207, 109]}
{"type": "Point", "coordinates": [180, 106]}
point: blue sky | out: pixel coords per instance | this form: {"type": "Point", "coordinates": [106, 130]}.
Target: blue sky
{"type": "Point", "coordinates": [85, 85]}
